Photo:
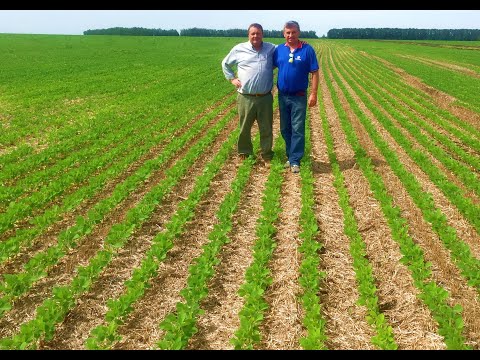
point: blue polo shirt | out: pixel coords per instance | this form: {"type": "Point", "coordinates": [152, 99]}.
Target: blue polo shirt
{"type": "Point", "coordinates": [293, 77]}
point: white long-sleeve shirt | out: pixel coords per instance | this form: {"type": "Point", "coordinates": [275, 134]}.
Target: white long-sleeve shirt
{"type": "Point", "coordinates": [254, 68]}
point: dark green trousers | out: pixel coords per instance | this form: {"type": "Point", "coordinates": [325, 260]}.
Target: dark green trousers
{"type": "Point", "coordinates": [259, 108]}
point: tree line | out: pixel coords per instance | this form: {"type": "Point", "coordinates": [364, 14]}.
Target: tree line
{"type": "Point", "coordinates": [139, 31]}
{"type": "Point", "coordinates": [345, 33]}
{"type": "Point", "coordinates": [135, 31]}
{"type": "Point", "coordinates": [240, 33]}
{"type": "Point", "coordinates": [405, 34]}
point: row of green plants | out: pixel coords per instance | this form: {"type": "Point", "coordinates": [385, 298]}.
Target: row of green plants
{"type": "Point", "coordinates": [179, 326]}
{"type": "Point", "coordinates": [471, 70]}
{"type": "Point", "coordinates": [105, 336]}
{"type": "Point", "coordinates": [465, 132]}
{"type": "Point", "coordinates": [53, 86]}
{"type": "Point", "coordinates": [435, 296]}
{"type": "Point", "coordinates": [384, 338]}
{"type": "Point", "coordinates": [41, 218]}
{"type": "Point", "coordinates": [23, 237]}
{"type": "Point", "coordinates": [417, 98]}
{"type": "Point", "coordinates": [48, 194]}
{"type": "Point", "coordinates": [451, 191]}
{"type": "Point", "coordinates": [25, 160]}
{"type": "Point", "coordinates": [451, 158]}
{"type": "Point", "coordinates": [451, 52]}
{"type": "Point", "coordinates": [81, 141]}
{"type": "Point", "coordinates": [37, 267]}
{"type": "Point", "coordinates": [258, 274]}
{"type": "Point", "coordinates": [461, 86]}
{"type": "Point", "coordinates": [54, 309]}
{"type": "Point", "coordinates": [464, 259]}
{"type": "Point", "coordinates": [83, 167]}
{"type": "Point", "coordinates": [310, 276]}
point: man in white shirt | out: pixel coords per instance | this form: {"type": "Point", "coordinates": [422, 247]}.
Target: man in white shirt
{"type": "Point", "coordinates": [254, 83]}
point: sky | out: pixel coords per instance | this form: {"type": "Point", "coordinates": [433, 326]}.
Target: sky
{"type": "Point", "coordinates": [74, 22]}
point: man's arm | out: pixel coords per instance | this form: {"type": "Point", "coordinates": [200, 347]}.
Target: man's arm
{"type": "Point", "coordinates": [227, 69]}
{"type": "Point", "coordinates": [312, 99]}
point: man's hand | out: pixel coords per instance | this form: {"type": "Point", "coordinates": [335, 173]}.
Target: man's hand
{"type": "Point", "coordinates": [236, 82]}
{"type": "Point", "coordinates": [312, 99]}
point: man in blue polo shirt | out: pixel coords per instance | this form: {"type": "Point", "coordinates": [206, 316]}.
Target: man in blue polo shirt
{"type": "Point", "coordinates": [254, 82]}
{"type": "Point", "coordinates": [295, 60]}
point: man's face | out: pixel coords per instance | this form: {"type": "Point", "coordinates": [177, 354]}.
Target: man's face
{"type": "Point", "coordinates": [291, 34]}
{"type": "Point", "coordinates": [255, 36]}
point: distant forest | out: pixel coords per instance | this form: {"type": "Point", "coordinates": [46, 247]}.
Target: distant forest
{"type": "Point", "coordinates": [138, 31]}
{"type": "Point", "coordinates": [345, 33]}
{"type": "Point", "coordinates": [405, 34]}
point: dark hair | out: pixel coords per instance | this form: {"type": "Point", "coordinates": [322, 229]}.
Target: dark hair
{"type": "Point", "coordinates": [255, 25]}
{"type": "Point", "coordinates": [292, 23]}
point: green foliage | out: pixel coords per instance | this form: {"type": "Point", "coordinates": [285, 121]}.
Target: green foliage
{"type": "Point", "coordinates": [405, 34]}
{"type": "Point", "coordinates": [199, 32]}
{"type": "Point", "coordinates": [134, 31]}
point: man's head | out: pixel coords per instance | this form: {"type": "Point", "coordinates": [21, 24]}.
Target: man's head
{"type": "Point", "coordinates": [255, 34]}
{"type": "Point", "coordinates": [291, 32]}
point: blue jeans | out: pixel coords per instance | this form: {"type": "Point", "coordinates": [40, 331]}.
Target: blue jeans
{"type": "Point", "coordinates": [293, 111]}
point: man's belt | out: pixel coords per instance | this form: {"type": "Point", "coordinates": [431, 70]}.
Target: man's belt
{"type": "Point", "coordinates": [257, 94]}
{"type": "Point", "coordinates": [298, 93]}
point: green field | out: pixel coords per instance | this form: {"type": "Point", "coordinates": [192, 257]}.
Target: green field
{"type": "Point", "coordinates": [127, 221]}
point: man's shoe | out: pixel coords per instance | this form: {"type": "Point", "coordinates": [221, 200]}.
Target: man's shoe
{"type": "Point", "coordinates": [287, 165]}
{"type": "Point", "coordinates": [240, 159]}
{"type": "Point", "coordinates": [295, 169]}
{"type": "Point", "coordinates": [263, 162]}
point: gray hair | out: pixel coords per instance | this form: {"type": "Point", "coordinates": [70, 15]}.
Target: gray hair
{"type": "Point", "coordinates": [292, 23]}
{"type": "Point", "coordinates": [255, 25]}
